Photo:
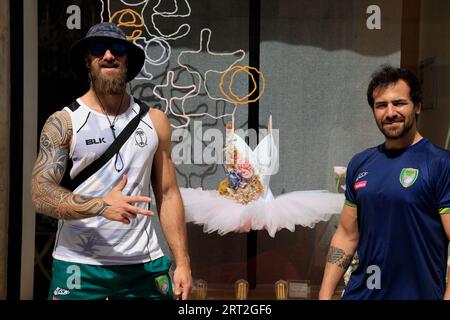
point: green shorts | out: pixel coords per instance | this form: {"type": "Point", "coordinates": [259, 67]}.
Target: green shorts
{"type": "Point", "coordinates": [76, 281]}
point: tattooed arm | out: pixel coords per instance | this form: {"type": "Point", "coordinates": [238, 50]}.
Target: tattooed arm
{"type": "Point", "coordinates": [51, 199]}
{"type": "Point", "coordinates": [48, 197]}
{"type": "Point", "coordinates": [342, 248]}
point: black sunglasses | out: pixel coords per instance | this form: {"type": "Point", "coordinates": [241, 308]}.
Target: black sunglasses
{"type": "Point", "coordinates": [98, 49]}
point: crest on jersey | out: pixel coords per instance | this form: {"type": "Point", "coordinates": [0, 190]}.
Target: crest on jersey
{"type": "Point", "coordinates": [408, 176]}
{"type": "Point", "coordinates": [140, 138]}
{"type": "Point", "coordinates": [162, 283]}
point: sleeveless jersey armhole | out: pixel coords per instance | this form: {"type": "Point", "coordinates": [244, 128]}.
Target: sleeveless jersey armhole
{"type": "Point", "coordinates": [73, 139]}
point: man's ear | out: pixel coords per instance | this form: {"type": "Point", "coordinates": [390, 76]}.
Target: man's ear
{"type": "Point", "coordinates": [418, 108]}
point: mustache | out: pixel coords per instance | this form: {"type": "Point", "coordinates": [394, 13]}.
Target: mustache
{"type": "Point", "coordinates": [393, 120]}
{"type": "Point", "coordinates": [110, 65]}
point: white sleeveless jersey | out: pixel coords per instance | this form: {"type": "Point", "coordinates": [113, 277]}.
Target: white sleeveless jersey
{"type": "Point", "coordinates": [97, 240]}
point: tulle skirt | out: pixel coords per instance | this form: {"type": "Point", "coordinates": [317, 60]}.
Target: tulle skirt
{"type": "Point", "coordinates": [216, 213]}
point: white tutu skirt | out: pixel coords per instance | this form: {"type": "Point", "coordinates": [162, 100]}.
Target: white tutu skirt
{"type": "Point", "coordinates": [216, 213]}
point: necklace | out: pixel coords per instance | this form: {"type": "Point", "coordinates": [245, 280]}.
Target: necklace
{"type": "Point", "coordinates": [111, 124]}
{"type": "Point", "coordinates": [118, 166]}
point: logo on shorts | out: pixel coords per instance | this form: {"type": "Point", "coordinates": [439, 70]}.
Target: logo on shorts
{"type": "Point", "coordinates": [60, 292]}
{"type": "Point", "coordinates": [162, 283]}
{"type": "Point", "coordinates": [408, 176]}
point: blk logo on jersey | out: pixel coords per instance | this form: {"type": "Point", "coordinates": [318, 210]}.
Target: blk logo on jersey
{"type": "Point", "coordinates": [408, 176]}
{"type": "Point", "coordinates": [95, 141]}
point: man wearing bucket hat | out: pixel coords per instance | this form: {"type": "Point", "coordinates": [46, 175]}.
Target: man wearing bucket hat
{"type": "Point", "coordinates": [106, 245]}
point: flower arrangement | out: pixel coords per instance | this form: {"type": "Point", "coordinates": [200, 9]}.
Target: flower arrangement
{"type": "Point", "coordinates": [242, 183]}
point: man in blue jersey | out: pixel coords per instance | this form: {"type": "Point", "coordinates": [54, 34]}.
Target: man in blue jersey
{"type": "Point", "coordinates": [397, 209]}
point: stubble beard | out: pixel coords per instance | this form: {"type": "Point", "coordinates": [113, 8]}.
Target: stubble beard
{"type": "Point", "coordinates": [399, 133]}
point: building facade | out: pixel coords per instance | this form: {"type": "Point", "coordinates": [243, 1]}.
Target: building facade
{"type": "Point", "coordinates": [313, 62]}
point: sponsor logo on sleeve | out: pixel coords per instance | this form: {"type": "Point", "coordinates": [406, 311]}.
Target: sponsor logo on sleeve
{"type": "Point", "coordinates": [360, 184]}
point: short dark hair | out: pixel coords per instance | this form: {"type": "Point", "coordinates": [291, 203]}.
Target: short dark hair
{"type": "Point", "coordinates": [387, 75]}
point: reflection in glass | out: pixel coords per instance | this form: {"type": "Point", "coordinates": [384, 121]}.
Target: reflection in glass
{"type": "Point", "coordinates": [201, 289]}
{"type": "Point", "coordinates": [281, 290]}
{"type": "Point", "coordinates": [241, 289]}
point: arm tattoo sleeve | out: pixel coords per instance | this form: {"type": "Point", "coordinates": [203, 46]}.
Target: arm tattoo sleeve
{"type": "Point", "coordinates": [49, 197]}
{"type": "Point", "coordinates": [339, 257]}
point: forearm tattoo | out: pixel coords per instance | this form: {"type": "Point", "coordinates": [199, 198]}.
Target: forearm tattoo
{"type": "Point", "coordinates": [339, 257]}
{"type": "Point", "coordinates": [49, 197]}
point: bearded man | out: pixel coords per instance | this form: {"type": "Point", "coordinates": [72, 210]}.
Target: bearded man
{"type": "Point", "coordinates": [106, 245]}
{"type": "Point", "coordinates": [397, 210]}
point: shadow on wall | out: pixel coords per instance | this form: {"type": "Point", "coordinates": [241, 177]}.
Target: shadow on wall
{"type": "Point", "coordinates": [332, 25]}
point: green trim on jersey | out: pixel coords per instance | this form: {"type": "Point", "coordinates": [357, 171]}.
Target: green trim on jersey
{"type": "Point", "coordinates": [444, 211]}
{"type": "Point", "coordinates": [350, 204]}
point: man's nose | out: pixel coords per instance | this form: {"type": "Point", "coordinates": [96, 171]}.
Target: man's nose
{"type": "Point", "coordinates": [108, 55]}
{"type": "Point", "coordinates": [391, 110]}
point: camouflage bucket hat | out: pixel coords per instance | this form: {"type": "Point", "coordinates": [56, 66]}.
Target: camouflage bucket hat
{"type": "Point", "coordinates": [136, 56]}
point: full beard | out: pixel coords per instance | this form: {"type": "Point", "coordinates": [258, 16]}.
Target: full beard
{"type": "Point", "coordinates": [109, 85]}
